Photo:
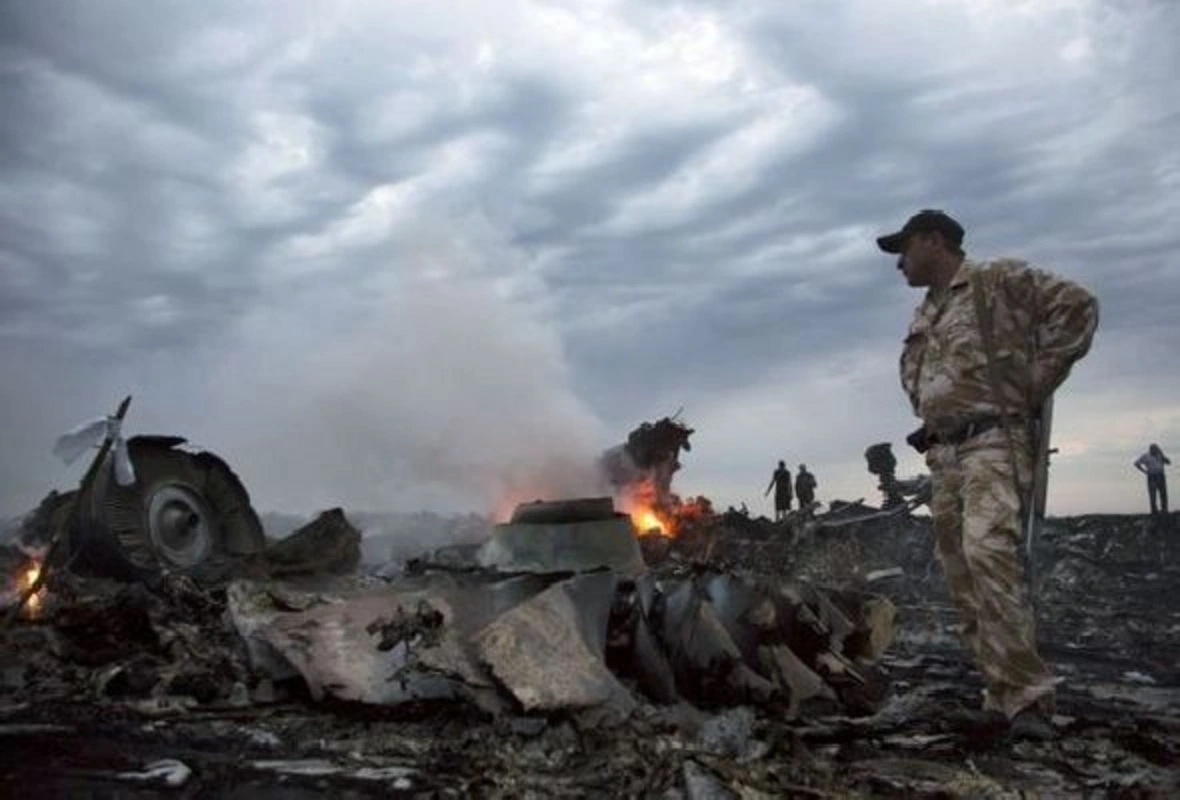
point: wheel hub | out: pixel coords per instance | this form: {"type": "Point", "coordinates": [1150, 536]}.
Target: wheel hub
{"type": "Point", "coordinates": [180, 525]}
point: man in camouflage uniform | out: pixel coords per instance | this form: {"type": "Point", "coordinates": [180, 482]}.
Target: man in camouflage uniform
{"type": "Point", "coordinates": [975, 433]}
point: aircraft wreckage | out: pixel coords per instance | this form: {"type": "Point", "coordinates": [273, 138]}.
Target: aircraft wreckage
{"type": "Point", "coordinates": [556, 611]}
{"type": "Point", "coordinates": [173, 645]}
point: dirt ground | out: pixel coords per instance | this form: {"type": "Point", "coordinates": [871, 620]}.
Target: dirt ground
{"type": "Point", "coordinates": [1109, 618]}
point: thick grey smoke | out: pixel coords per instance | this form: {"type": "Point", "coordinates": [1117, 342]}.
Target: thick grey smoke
{"type": "Point", "coordinates": [429, 378]}
{"type": "Point", "coordinates": [440, 385]}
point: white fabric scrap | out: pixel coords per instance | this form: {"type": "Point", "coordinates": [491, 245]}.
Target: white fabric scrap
{"type": "Point", "coordinates": [91, 434]}
{"type": "Point", "coordinates": [77, 441]}
{"type": "Point", "coordinates": [124, 471]}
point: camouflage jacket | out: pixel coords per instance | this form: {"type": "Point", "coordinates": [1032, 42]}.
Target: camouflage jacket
{"type": "Point", "coordinates": [1041, 325]}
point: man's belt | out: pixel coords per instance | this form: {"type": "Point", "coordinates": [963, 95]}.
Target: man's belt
{"type": "Point", "coordinates": [976, 427]}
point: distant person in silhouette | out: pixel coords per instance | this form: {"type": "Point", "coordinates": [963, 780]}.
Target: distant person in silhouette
{"type": "Point", "coordinates": [1152, 465]}
{"type": "Point", "coordinates": [780, 481]}
{"type": "Point", "coordinates": [805, 487]}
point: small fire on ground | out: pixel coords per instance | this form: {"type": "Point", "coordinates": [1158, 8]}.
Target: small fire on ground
{"type": "Point", "coordinates": [646, 521]}
{"type": "Point", "coordinates": [27, 579]}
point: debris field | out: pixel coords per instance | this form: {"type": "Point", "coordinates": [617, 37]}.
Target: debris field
{"type": "Point", "coordinates": [741, 659]}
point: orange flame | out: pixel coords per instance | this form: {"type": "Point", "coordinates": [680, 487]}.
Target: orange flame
{"type": "Point", "coordinates": [26, 581]}
{"type": "Point", "coordinates": [647, 521]}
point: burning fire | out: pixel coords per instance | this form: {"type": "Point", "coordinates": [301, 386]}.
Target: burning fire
{"type": "Point", "coordinates": [646, 520]}
{"type": "Point", "coordinates": [25, 583]}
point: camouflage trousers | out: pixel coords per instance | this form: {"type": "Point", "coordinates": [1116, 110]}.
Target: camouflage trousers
{"type": "Point", "coordinates": [978, 535]}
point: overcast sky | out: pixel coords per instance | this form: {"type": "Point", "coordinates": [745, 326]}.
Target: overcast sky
{"type": "Point", "coordinates": [398, 255]}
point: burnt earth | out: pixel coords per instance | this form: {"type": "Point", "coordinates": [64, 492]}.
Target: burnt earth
{"type": "Point", "coordinates": [1109, 619]}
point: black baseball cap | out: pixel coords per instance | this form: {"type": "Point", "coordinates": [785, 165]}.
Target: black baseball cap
{"type": "Point", "coordinates": [928, 220]}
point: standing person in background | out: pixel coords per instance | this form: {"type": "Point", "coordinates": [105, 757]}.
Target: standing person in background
{"type": "Point", "coordinates": [1152, 465]}
{"type": "Point", "coordinates": [780, 481]}
{"type": "Point", "coordinates": [805, 487]}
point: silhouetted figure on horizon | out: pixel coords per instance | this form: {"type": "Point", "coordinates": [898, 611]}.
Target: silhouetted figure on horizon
{"type": "Point", "coordinates": [780, 481]}
{"type": "Point", "coordinates": [1152, 465]}
{"type": "Point", "coordinates": [805, 487]}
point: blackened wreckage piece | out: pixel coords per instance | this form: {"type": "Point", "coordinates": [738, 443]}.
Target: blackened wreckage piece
{"type": "Point", "coordinates": [546, 607]}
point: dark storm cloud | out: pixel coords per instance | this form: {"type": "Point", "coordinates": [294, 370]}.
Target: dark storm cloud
{"type": "Point", "coordinates": [892, 153]}
{"type": "Point", "coordinates": [662, 204]}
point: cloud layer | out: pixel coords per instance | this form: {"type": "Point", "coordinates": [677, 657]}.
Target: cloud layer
{"type": "Point", "coordinates": [399, 257]}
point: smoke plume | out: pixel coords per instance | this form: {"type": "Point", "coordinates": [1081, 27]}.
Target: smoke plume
{"type": "Point", "coordinates": [443, 389]}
